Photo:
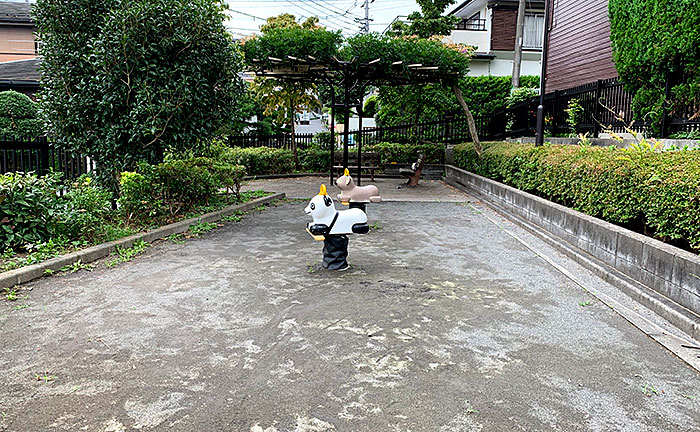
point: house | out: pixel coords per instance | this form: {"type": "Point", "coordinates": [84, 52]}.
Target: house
{"type": "Point", "coordinates": [579, 51]}
{"type": "Point", "coordinates": [17, 41]}
{"type": "Point", "coordinates": [20, 75]}
{"type": "Point", "coordinates": [490, 25]}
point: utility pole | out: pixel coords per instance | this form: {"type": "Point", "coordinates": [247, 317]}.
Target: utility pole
{"type": "Point", "coordinates": [365, 22]}
{"type": "Point", "coordinates": [543, 74]}
{"type": "Point", "coordinates": [518, 54]}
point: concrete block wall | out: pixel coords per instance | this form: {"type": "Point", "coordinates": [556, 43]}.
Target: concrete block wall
{"type": "Point", "coordinates": [670, 271]}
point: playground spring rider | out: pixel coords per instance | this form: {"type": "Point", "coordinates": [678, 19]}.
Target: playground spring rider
{"type": "Point", "coordinates": [333, 227]}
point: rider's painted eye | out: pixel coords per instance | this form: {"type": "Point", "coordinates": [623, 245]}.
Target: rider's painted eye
{"type": "Point", "coordinates": [313, 206]}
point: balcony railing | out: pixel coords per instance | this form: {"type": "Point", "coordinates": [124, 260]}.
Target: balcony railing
{"type": "Point", "coordinates": [472, 24]}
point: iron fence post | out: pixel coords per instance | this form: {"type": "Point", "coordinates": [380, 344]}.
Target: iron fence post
{"type": "Point", "coordinates": [667, 93]}
{"type": "Point", "coordinates": [596, 108]}
{"type": "Point", "coordinates": [44, 155]}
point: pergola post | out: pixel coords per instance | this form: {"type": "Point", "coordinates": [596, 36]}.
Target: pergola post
{"type": "Point", "coordinates": [359, 147]}
{"type": "Point", "coordinates": [332, 133]}
{"type": "Point", "coordinates": [346, 115]}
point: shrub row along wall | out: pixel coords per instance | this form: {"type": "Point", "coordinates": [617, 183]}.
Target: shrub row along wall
{"type": "Point", "coordinates": [265, 160]}
{"type": "Point", "coordinates": [657, 194]}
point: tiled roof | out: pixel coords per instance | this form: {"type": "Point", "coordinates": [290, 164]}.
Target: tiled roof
{"type": "Point", "coordinates": [15, 12]}
{"type": "Point", "coordinates": [20, 70]}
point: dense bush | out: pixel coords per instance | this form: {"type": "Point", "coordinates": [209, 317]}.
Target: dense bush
{"type": "Point", "coordinates": [172, 186]}
{"type": "Point", "coordinates": [658, 193]}
{"type": "Point", "coordinates": [651, 38]}
{"type": "Point", "coordinates": [29, 208]}
{"type": "Point", "coordinates": [407, 153]}
{"type": "Point", "coordinates": [322, 140]}
{"type": "Point", "coordinates": [371, 106]}
{"type": "Point", "coordinates": [86, 208]}
{"type": "Point", "coordinates": [18, 115]}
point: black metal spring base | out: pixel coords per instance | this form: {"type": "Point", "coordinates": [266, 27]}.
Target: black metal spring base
{"type": "Point", "coordinates": [335, 252]}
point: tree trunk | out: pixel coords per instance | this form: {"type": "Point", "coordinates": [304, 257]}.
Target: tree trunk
{"type": "Point", "coordinates": [297, 165]}
{"type": "Point", "coordinates": [470, 119]}
{"type": "Point", "coordinates": [518, 54]}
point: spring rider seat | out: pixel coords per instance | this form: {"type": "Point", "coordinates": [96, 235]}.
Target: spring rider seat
{"type": "Point", "coordinates": [333, 227]}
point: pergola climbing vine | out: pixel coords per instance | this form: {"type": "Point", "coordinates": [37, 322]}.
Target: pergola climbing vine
{"type": "Point", "coordinates": [324, 57]}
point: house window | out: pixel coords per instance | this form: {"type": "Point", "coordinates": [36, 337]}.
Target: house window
{"type": "Point", "coordinates": [533, 33]}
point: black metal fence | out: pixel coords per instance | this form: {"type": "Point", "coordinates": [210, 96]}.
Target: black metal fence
{"type": "Point", "coordinates": [603, 104]}
{"type": "Point", "coordinates": [281, 141]}
{"type": "Point", "coordinates": [40, 156]}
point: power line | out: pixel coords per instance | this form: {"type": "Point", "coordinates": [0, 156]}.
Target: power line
{"type": "Point", "coordinates": [315, 13]}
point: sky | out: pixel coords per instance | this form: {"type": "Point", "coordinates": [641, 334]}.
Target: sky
{"type": "Point", "coordinates": [246, 16]}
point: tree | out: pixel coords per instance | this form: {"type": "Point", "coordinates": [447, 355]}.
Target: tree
{"type": "Point", "coordinates": [518, 54]}
{"type": "Point", "coordinates": [429, 21]}
{"type": "Point", "coordinates": [654, 40]}
{"type": "Point", "coordinates": [125, 80]}
{"type": "Point", "coordinates": [284, 99]}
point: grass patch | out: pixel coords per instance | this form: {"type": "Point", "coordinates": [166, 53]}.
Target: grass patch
{"type": "Point", "coordinates": [202, 228]}
{"type": "Point", "coordinates": [585, 303]}
{"type": "Point", "coordinates": [127, 254]}
{"type": "Point", "coordinates": [77, 266]}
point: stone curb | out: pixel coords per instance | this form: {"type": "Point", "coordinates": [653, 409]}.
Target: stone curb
{"type": "Point", "coordinates": [654, 273]}
{"type": "Point", "coordinates": [25, 274]}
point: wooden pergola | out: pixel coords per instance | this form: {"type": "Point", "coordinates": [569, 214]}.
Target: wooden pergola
{"type": "Point", "coordinates": [348, 75]}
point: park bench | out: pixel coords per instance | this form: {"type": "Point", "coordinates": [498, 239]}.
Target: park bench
{"type": "Point", "coordinates": [370, 163]}
{"type": "Point", "coordinates": [413, 173]}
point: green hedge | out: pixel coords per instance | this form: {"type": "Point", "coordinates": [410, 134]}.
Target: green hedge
{"type": "Point", "coordinates": [407, 153]}
{"type": "Point", "coordinates": [19, 115]}
{"type": "Point", "coordinates": [657, 193]}
{"type": "Point", "coordinates": [260, 160]}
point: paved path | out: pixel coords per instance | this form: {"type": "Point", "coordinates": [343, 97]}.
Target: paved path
{"type": "Point", "coordinates": [444, 323]}
{"type": "Point", "coordinates": [306, 187]}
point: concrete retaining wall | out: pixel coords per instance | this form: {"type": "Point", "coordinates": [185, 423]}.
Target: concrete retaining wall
{"type": "Point", "coordinates": [667, 270]}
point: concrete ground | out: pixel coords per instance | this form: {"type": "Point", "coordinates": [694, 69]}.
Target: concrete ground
{"type": "Point", "coordinates": [306, 187]}
{"type": "Point", "coordinates": [443, 323]}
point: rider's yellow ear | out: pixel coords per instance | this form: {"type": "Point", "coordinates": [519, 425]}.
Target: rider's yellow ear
{"type": "Point", "coordinates": [347, 172]}
{"type": "Point", "coordinates": [323, 190]}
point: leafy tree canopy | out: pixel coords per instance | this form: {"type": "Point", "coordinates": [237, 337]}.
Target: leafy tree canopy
{"type": "Point", "coordinates": [124, 80]}
{"type": "Point", "coordinates": [651, 38]}
{"type": "Point", "coordinates": [429, 22]}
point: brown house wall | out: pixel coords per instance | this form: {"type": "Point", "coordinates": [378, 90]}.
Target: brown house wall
{"type": "Point", "coordinates": [16, 43]}
{"type": "Point", "coordinates": [503, 26]}
{"type": "Point", "coordinates": [579, 44]}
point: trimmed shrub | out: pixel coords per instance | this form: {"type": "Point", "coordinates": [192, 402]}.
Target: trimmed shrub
{"type": "Point", "coordinates": [657, 193]}
{"type": "Point", "coordinates": [226, 175]}
{"type": "Point", "coordinates": [407, 153]}
{"type": "Point", "coordinates": [170, 187]}
{"type": "Point", "coordinates": [260, 160]}
{"type": "Point", "coordinates": [29, 208]}
{"type": "Point", "coordinates": [18, 115]}
{"type": "Point", "coordinates": [315, 159]}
